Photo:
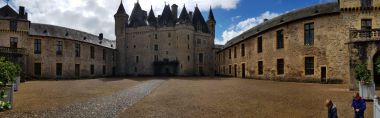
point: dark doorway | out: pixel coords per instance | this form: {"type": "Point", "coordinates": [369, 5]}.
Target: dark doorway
{"type": "Point", "coordinates": [376, 75]}
{"type": "Point", "coordinates": [165, 68]}
{"type": "Point", "coordinates": [243, 70]}
{"type": "Point", "coordinates": [323, 74]}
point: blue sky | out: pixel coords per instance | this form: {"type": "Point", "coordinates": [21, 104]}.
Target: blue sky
{"type": "Point", "coordinates": [96, 16]}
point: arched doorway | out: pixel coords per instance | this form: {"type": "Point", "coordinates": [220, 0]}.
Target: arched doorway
{"type": "Point", "coordinates": [376, 75]}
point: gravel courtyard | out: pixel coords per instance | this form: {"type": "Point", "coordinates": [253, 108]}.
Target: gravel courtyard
{"type": "Point", "coordinates": [178, 97]}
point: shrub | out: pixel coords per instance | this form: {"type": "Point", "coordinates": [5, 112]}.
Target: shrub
{"type": "Point", "coordinates": [363, 74]}
{"type": "Point", "coordinates": [8, 72]}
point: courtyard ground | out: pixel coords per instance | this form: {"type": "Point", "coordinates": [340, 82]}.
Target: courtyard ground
{"type": "Point", "coordinates": [183, 97]}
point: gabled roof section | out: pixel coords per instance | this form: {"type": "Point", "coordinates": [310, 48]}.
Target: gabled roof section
{"type": "Point", "coordinates": [138, 16]}
{"type": "Point", "coordinates": [199, 22]}
{"type": "Point", "coordinates": [166, 18]}
{"type": "Point", "coordinates": [184, 16]}
{"type": "Point", "coordinates": [152, 18]}
{"type": "Point", "coordinates": [121, 9]}
{"type": "Point", "coordinates": [7, 12]}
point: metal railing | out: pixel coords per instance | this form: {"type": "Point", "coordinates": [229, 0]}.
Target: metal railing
{"type": "Point", "coordinates": [9, 50]}
{"type": "Point", "coordinates": [364, 35]}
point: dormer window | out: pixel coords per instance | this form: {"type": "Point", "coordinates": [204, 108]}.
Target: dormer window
{"type": "Point", "coordinates": [67, 34]}
{"type": "Point", "coordinates": [45, 31]}
{"type": "Point", "coordinates": [366, 3]}
{"type": "Point", "coordinates": [84, 38]}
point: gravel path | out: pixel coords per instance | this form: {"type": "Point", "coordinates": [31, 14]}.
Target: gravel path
{"type": "Point", "coordinates": [102, 107]}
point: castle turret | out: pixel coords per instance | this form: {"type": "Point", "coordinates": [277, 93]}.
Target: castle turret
{"type": "Point", "coordinates": [199, 22]}
{"type": "Point", "coordinates": [152, 20]}
{"type": "Point", "coordinates": [121, 22]}
{"type": "Point", "coordinates": [211, 22]}
{"type": "Point", "coordinates": [184, 17]}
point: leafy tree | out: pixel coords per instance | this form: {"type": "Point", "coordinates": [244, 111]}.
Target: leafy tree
{"type": "Point", "coordinates": [8, 72]}
{"type": "Point", "coordinates": [363, 74]}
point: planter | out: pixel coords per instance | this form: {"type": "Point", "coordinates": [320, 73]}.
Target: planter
{"type": "Point", "coordinates": [16, 83]}
{"type": "Point", "coordinates": [367, 91]}
{"type": "Point", "coordinates": [9, 90]}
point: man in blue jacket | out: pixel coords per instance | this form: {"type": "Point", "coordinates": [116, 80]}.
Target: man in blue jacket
{"type": "Point", "coordinates": [358, 105]}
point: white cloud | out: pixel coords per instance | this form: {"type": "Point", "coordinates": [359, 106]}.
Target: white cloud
{"type": "Point", "coordinates": [96, 16]}
{"type": "Point", "coordinates": [233, 19]}
{"type": "Point", "coordinates": [237, 29]}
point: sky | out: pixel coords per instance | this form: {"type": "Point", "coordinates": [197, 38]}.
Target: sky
{"type": "Point", "coordinates": [233, 17]}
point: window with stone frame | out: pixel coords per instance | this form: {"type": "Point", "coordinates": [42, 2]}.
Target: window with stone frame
{"type": "Point", "coordinates": [309, 66]}
{"type": "Point", "coordinates": [230, 69]}
{"type": "Point", "coordinates": [242, 50]}
{"type": "Point", "coordinates": [261, 67]}
{"type": "Point", "coordinates": [104, 70]}
{"type": "Point", "coordinates": [366, 3]}
{"type": "Point", "coordinates": [309, 34]}
{"type": "Point", "coordinates": [77, 50]}
{"type": "Point", "coordinates": [92, 52]}
{"type": "Point", "coordinates": [230, 51]}
{"type": "Point", "coordinates": [59, 50]}
{"type": "Point", "coordinates": [13, 42]}
{"type": "Point", "coordinates": [280, 66]}
{"type": "Point", "coordinates": [235, 54]}
{"type": "Point", "coordinates": [200, 58]}
{"type": "Point", "coordinates": [260, 44]}
{"type": "Point", "coordinates": [13, 25]}
{"type": "Point", "coordinates": [155, 57]}
{"type": "Point", "coordinates": [156, 47]}
{"type": "Point", "coordinates": [104, 54]}
{"type": "Point", "coordinates": [37, 46]}
{"type": "Point", "coordinates": [366, 24]}
{"type": "Point", "coordinates": [137, 59]}
{"type": "Point", "coordinates": [280, 39]}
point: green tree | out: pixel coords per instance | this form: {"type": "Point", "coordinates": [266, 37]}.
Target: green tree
{"type": "Point", "coordinates": [8, 72]}
{"type": "Point", "coordinates": [363, 74]}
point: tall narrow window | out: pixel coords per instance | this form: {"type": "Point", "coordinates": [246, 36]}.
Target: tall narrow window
{"type": "Point", "coordinates": [188, 37]}
{"type": "Point", "coordinates": [280, 39]}
{"type": "Point", "coordinates": [59, 69]}
{"type": "Point", "coordinates": [77, 50]}
{"type": "Point", "coordinates": [366, 24]}
{"type": "Point", "coordinates": [242, 50]}
{"type": "Point", "coordinates": [155, 36]}
{"type": "Point", "coordinates": [280, 66]}
{"type": "Point", "coordinates": [260, 44]}
{"type": "Point", "coordinates": [309, 34]}
{"type": "Point", "coordinates": [137, 59]}
{"type": "Point", "coordinates": [104, 54]}
{"type": "Point", "coordinates": [235, 54]}
{"type": "Point", "coordinates": [37, 69]}
{"type": "Point", "coordinates": [366, 3]}
{"type": "Point", "coordinates": [230, 51]}
{"type": "Point", "coordinates": [59, 48]}
{"type": "Point", "coordinates": [37, 46]}
{"type": "Point", "coordinates": [169, 35]}
{"type": "Point", "coordinates": [309, 66]}
{"type": "Point", "coordinates": [156, 47]}
{"type": "Point", "coordinates": [13, 25]}
{"type": "Point", "coordinates": [92, 52]}
{"type": "Point", "coordinates": [230, 69]}
{"type": "Point", "coordinates": [200, 57]}
{"type": "Point", "coordinates": [77, 70]}
{"type": "Point", "coordinates": [13, 42]}
{"type": "Point", "coordinates": [92, 68]}
{"type": "Point", "coordinates": [261, 67]}
{"type": "Point", "coordinates": [155, 57]}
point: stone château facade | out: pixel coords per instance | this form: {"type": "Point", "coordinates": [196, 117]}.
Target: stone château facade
{"type": "Point", "coordinates": [319, 43]}
{"type": "Point", "coordinates": [165, 45]}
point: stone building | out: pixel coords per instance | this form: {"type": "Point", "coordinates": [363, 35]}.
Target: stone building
{"type": "Point", "coordinates": [165, 45]}
{"type": "Point", "coordinates": [319, 43]}
{"type": "Point", "coordinates": [53, 52]}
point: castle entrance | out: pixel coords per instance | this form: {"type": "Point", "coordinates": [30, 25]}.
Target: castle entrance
{"type": "Point", "coordinates": [165, 68]}
{"type": "Point", "coordinates": [376, 67]}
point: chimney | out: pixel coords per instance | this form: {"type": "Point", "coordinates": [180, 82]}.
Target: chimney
{"type": "Point", "coordinates": [101, 36]}
{"type": "Point", "coordinates": [21, 12]}
{"type": "Point", "coordinates": [175, 11]}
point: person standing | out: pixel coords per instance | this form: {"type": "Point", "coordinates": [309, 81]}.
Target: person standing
{"type": "Point", "coordinates": [332, 111]}
{"type": "Point", "coordinates": [358, 105]}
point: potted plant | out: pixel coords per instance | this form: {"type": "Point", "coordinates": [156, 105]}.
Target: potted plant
{"type": "Point", "coordinates": [366, 84]}
{"type": "Point", "coordinates": [8, 72]}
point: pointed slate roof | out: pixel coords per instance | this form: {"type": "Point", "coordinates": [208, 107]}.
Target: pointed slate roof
{"type": "Point", "coordinates": [211, 15]}
{"type": "Point", "coordinates": [166, 18]}
{"type": "Point", "coordinates": [199, 22]}
{"type": "Point", "coordinates": [184, 16]}
{"type": "Point", "coordinates": [7, 11]}
{"type": "Point", "coordinates": [152, 18]}
{"type": "Point", "coordinates": [138, 16]}
{"type": "Point", "coordinates": [121, 9]}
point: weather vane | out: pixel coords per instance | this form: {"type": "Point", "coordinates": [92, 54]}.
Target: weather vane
{"type": "Point", "coordinates": [7, 1]}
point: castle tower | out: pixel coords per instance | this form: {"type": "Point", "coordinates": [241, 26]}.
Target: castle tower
{"type": "Point", "coordinates": [121, 21]}
{"type": "Point", "coordinates": [211, 22]}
